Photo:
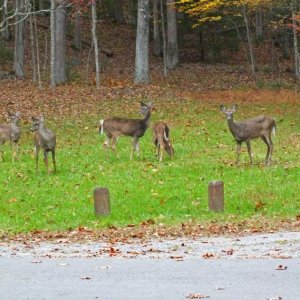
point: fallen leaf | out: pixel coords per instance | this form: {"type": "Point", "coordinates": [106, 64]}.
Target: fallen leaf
{"type": "Point", "coordinates": [196, 296]}
{"type": "Point", "coordinates": [281, 268]}
{"type": "Point", "coordinates": [85, 278]}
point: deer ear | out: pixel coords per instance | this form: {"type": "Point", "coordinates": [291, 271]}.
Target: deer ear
{"type": "Point", "coordinates": [235, 107]}
{"type": "Point", "coordinates": [143, 104]}
{"type": "Point", "coordinates": [18, 114]}
{"type": "Point", "coordinates": [222, 107]}
{"type": "Point", "coordinates": [33, 118]}
{"type": "Point", "coordinates": [42, 118]}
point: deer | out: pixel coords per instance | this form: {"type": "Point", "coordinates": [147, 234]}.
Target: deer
{"type": "Point", "coordinates": [135, 128]}
{"type": "Point", "coordinates": [43, 138]}
{"type": "Point", "coordinates": [11, 132]}
{"type": "Point", "coordinates": [245, 131]}
{"type": "Point", "coordinates": [161, 139]}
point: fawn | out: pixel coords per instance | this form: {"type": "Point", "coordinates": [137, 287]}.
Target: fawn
{"type": "Point", "coordinates": [43, 138]}
{"type": "Point", "coordinates": [161, 139]}
{"type": "Point", "coordinates": [11, 132]}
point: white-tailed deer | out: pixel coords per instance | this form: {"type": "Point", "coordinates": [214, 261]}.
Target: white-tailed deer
{"type": "Point", "coordinates": [245, 131]}
{"type": "Point", "coordinates": [161, 139]}
{"type": "Point", "coordinates": [43, 138]}
{"type": "Point", "coordinates": [11, 132]}
{"type": "Point", "coordinates": [136, 128]}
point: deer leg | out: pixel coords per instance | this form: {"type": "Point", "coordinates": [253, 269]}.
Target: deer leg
{"type": "Point", "coordinates": [249, 151]}
{"type": "Point", "coordinates": [134, 146]}
{"type": "Point", "coordinates": [238, 152]}
{"type": "Point", "coordinates": [37, 150]}
{"type": "Point", "coordinates": [46, 160]}
{"type": "Point", "coordinates": [113, 145]}
{"type": "Point", "coordinates": [53, 160]}
{"type": "Point", "coordinates": [268, 148]}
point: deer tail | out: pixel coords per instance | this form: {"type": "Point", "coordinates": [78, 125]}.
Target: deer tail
{"type": "Point", "coordinates": [274, 128]}
{"type": "Point", "coordinates": [166, 133]}
{"type": "Point", "coordinates": [101, 126]}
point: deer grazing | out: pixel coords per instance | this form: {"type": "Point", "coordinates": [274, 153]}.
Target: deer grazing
{"type": "Point", "coordinates": [245, 131]}
{"type": "Point", "coordinates": [161, 139]}
{"type": "Point", "coordinates": [11, 132]}
{"type": "Point", "coordinates": [43, 138]}
{"type": "Point", "coordinates": [135, 128]}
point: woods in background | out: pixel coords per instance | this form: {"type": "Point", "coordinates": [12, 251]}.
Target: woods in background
{"type": "Point", "coordinates": [215, 29]}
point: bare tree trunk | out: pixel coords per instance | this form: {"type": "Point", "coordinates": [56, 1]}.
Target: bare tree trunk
{"type": "Point", "coordinates": [172, 47]}
{"type": "Point", "coordinates": [60, 43]}
{"type": "Point", "coordinates": [52, 45]}
{"type": "Point", "coordinates": [95, 42]}
{"type": "Point", "coordinates": [163, 30]}
{"type": "Point", "coordinates": [142, 43]}
{"type": "Point", "coordinates": [77, 42]}
{"type": "Point", "coordinates": [296, 51]}
{"type": "Point", "coordinates": [37, 53]}
{"type": "Point", "coordinates": [18, 66]}
{"type": "Point", "coordinates": [5, 33]}
{"type": "Point", "coordinates": [119, 11]}
{"type": "Point", "coordinates": [156, 32]}
{"type": "Point", "coordinates": [251, 52]}
{"type": "Point", "coordinates": [259, 22]}
{"type": "Point", "coordinates": [32, 43]}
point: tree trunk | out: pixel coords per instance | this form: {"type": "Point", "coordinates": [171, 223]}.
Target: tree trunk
{"type": "Point", "coordinates": [163, 30]}
{"type": "Point", "coordinates": [52, 44]}
{"type": "Point", "coordinates": [18, 66]}
{"type": "Point", "coordinates": [251, 52]}
{"type": "Point", "coordinates": [77, 42]}
{"type": "Point", "coordinates": [142, 43]}
{"type": "Point", "coordinates": [95, 42]}
{"type": "Point", "coordinates": [296, 51]}
{"type": "Point", "coordinates": [259, 22]}
{"type": "Point", "coordinates": [119, 11]}
{"type": "Point", "coordinates": [60, 43]}
{"type": "Point", "coordinates": [172, 47]}
{"type": "Point", "coordinates": [5, 33]}
{"type": "Point", "coordinates": [32, 43]}
{"type": "Point", "coordinates": [156, 32]}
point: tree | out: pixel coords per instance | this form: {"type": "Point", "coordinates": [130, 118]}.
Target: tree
{"type": "Point", "coordinates": [52, 45]}
{"type": "Point", "coordinates": [172, 47]}
{"type": "Point", "coordinates": [60, 42]}
{"type": "Point", "coordinates": [18, 65]}
{"type": "Point", "coordinates": [156, 32]}
{"type": "Point", "coordinates": [5, 33]}
{"type": "Point", "coordinates": [95, 42]}
{"type": "Point", "coordinates": [142, 43]}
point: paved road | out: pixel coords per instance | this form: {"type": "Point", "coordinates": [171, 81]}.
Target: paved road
{"type": "Point", "coordinates": [261, 266]}
{"type": "Point", "coordinates": [139, 278]}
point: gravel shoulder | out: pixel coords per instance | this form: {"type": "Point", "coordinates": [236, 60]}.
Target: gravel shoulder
{"type": "Point", "coordinates": [280, 245]}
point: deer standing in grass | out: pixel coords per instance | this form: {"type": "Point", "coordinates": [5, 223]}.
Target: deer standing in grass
{"type": "Point", "coordinates": [43, 138]}
{"type": "Point", "coordinates": [135, 128]}
{"type": "Point", "coordinates": [11, 132]}
{"type": "Point", "coordinates": [245, 131]}
{"type": "Point", "coordinates": [161, 139]}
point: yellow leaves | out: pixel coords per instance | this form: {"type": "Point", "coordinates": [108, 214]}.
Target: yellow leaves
{"type": "Point", "coordinates": [211, 11]}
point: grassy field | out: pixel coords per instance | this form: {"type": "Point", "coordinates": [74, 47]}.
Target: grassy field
{"type": "Point", "coordinates": [170, 192]}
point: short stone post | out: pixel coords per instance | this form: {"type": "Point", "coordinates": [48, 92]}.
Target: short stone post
{"type": "Point", "coordinates": [216, 196]}
{"type": "Point", "coordinates": [101, 202]}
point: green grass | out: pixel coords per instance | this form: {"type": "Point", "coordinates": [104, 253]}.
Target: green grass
{"type": "Point", "coordinates": [170, 192]}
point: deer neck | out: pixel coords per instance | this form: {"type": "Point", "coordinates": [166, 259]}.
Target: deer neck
{"type": "Point", "coordinates": [147, 118]}
{"type": "Point", "coordinates": [233, 127]}
{"type": "Point", "coordinates": [43, 132]}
